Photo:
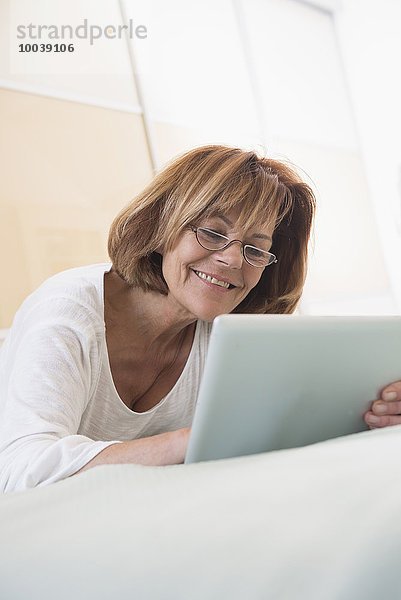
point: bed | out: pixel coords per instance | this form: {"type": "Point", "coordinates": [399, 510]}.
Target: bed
{"type": "Point", "coordinates": [321, 522]}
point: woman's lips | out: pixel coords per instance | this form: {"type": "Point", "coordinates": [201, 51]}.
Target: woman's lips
{"type": "Point", "coordinates": [213, 286]}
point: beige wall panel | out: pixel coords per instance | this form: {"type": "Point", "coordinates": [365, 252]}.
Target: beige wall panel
{"type": "Point", "coordinates": [60, 238]}
{"type": "Point", "coordinates": [67, 169]}
{"type": "Point", "coordinates": [14, 271]}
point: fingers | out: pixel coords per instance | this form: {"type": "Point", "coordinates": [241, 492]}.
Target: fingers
{"type": "Point", "coordinates": [387, 410]}
{"type": "Point", "coordinates": [392, 392]}
{"type": "Point", "coordinates": [374, 420]}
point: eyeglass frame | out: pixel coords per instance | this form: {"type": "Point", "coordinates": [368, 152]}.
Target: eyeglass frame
{"type": "Point", "coordinates": [243, 246]}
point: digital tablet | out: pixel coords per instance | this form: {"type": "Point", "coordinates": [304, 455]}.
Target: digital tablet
{"type": "Point", "coordinates": [284, 381]}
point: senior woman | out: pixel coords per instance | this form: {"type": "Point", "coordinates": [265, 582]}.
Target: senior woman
{"type": "Point", "coordinates": [103, 363]}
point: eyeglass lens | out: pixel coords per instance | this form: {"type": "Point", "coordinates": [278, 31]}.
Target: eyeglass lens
{"type": "Point", "coordinates": [215, 241]}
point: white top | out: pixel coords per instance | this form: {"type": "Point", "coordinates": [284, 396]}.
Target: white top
{"type": "Point", "coordinates": [58, 404]}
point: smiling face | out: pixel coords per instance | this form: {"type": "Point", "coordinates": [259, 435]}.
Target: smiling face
{"type": "Point", "coordinates": [203, 299]}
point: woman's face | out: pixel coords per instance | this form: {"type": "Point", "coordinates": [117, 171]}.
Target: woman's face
{"type": "Point", "coordinates": [198, 297]}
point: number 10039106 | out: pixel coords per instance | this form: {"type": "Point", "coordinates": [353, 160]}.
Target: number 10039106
{"type": "Point", "coordinates": [46, 48]}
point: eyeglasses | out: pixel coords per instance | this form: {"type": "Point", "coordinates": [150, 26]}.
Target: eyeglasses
{"type": "Point", "coordinates": [210, 240]}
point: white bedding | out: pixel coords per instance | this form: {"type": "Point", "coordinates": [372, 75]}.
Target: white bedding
{"type": "Point", "coordinates": [321, 522]}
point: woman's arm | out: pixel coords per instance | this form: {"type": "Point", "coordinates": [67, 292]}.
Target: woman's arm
{"type": "Point", "coordinates": [158, 450]}
{"type": "Point", "coordinates": [387, 410]}
{"type": "Point", "coordinates": [47, 373]}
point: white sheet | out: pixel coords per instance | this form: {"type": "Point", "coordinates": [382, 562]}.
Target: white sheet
{"type": "Point", "coordinates": [321, 522]}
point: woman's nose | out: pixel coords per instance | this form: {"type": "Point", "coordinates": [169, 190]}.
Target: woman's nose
{"type": "Point", "coordinates": [231, 255]}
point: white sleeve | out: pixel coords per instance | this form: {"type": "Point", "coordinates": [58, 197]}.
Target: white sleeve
{"type": "Point", "coordinates": [49, 374]}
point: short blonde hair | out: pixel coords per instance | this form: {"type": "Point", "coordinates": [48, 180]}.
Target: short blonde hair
{"type": "Point", "coordinates": [213, 180]}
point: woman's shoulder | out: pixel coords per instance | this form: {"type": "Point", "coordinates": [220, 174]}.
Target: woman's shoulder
{"type": "Point", "coordinates": [77, 278]}
{"type": "Point", "coordinates": [74, 295]}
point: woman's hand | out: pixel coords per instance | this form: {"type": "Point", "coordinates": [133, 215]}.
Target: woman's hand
{"type": "Point", "coordinates": [387, 410]}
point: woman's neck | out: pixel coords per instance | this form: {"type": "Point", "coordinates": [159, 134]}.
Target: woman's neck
{"type": "Point", "coordinates": [145, 320]}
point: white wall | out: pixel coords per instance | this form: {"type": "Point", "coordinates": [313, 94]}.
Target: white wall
{"type": "Point", "coordinates": [99, 74]}
{"type": "Point", "coordinates": [369, 34]}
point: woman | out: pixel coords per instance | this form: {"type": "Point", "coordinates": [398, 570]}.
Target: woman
{"type": "Point", "coordinates": [103, 363]}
